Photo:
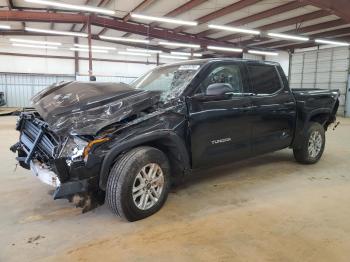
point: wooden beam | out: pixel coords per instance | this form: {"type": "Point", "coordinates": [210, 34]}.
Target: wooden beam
{"type": "Point", "coordinates": [136, 28]}
{"type": "Point", "coordinates": [31, 16]}
{"type": "Point", "coordinates": [328, 34]}
{"type": "Point", "coordinates": [160, 33]}
{"type": "Point", "coordinates": [136, 45]}
{"type": "Point", "coordinates": [140, 7]}
{"type": "Point", "coordinates": [223, 11]}
{"type": "Point", "coordinates": [103, 3]}
{"type": "Point", "coordinates": [83, 28]}
{"type": "Point", "coordinates": [310, 44]}
{"type": "Point", "coordinates": [185, 7]}
{"type": "Point", "coordinates": [74, 25]}
{"type": "Point", "coordinates": [340, 8]}
{"type": "Point", "coordinates": [303, 30]}
{"type": "Point", "coordinates": [94, 37]}
{"type": "Point", "coordinates": [20, 32]}
{"type": "Point", "coordinates": [104, 30]}
{"type": "Point", "coordinates": [182, 9]}
{"type": "Point", "coordinates": [296, 20]}
{"type": "Point", "coordinates": [178, 11]}
{"type": "Point", "coordinates": [283, 23]}
{"type": "Point", "coordinates": [317, 27]}
{"type": "Point", "coordinates": [256, 17]}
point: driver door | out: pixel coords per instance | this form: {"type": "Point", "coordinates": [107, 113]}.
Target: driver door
{"type": "Point", "coordinates": [220, 128]}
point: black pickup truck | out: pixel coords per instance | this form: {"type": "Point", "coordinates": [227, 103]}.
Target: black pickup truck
{"type": "Point", "coordinates": [127, 143]}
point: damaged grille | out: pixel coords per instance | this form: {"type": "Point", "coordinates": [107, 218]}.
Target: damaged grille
{"type": "Point", "coordinates": [36, 140]}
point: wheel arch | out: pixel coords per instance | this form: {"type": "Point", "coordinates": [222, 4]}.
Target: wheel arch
{"type": "Point", "coordinates": [322, 116]}
{"type": "Point", "coordinates": [317, 115]}
{"type": "Point", "coordinates": [166, 141]}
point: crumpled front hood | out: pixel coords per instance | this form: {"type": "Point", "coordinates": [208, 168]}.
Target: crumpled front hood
{"type": "Point", "coordinates": [84, 108]}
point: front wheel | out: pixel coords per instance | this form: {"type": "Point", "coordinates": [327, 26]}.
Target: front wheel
{"type": "Point", "coordinates": [138, 183]}
{"type": "Point", "coordinates": [312, 144]}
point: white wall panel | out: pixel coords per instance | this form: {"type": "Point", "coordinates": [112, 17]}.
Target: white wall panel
{"type": "Point", "coordinates": [252, 56]}
{"type": "Point", "coordinates": [297, 69]}
{"type": "Point", "coordinates": [337, 77]}
{"type": "Point", "coordinates": [323, 78]}
{"type": "Point", "coordinates": [309, 68]}
{"type": "Point", "coordinates": [19, 64]}
{"type": "Point", "coordinates": [323, 66]}
{"type": "Point", "coordinates": [297, 78]}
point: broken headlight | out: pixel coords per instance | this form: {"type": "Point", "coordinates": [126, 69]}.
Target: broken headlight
{"type": "Point", "coordinates": [73, 148]}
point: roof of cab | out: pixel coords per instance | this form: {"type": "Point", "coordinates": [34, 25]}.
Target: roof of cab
{"type": "Point", "coordinates": [212, 60]}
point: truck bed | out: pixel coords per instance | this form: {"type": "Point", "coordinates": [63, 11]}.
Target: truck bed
{"type": "Point", "coordinates": [314, 105]}
{"type": "Point", "coordinates": [309, 99]}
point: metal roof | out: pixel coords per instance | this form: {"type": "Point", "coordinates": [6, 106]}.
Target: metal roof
{"type": "Point", "coordinates": [268, 15]}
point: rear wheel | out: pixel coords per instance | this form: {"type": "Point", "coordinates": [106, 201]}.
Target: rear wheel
{"type": "Point", "coordinates": [312, 144]}
{"type": "Point", "coordinates": [138, 183]}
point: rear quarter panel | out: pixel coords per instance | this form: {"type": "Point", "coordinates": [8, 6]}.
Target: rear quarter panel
{"type": "Point", "coordinates": [313, 102]}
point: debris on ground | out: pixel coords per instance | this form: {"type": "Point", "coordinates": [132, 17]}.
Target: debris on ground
{"type": "Point", "coordinates": [34, 240]}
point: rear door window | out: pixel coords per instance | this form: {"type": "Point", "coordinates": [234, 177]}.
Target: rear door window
{"type": "Point", "coordinates": [264, 79]}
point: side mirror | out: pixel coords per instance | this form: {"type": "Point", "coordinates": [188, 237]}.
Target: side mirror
{"type": "Point", "coordinates": [215, 92]}
{"type": "Point", "coordinates": [218, 89]}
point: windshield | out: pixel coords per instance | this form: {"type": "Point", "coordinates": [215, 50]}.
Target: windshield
{"type": "Point", "coordinates": [171, 80]}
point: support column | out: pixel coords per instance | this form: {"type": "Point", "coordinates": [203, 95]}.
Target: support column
{"type": "Point", "coordinates": [290, 54]}
{"type": "Point", "coordinates": [89, 43]}
{"type": "Point", "coordinates": [76, 57]}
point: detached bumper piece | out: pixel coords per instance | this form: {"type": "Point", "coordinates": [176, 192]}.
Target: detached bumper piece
{"type": "Point", "coordinates": [71, 188]}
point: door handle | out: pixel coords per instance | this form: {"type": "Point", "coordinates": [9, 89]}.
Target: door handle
{"type": "Point", "coordinates": [248, 94]}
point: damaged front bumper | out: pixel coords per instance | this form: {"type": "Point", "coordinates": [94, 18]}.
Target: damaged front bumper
{"type": "Point", "coordinates": [62, 190]}
{"type": "Point", "coordinates": [44, 174]}
{"type": "Point", "coordinates": [41, 152]}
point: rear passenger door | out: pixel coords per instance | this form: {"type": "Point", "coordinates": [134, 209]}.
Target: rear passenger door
{"type": "Point", "coordinates": [274, 108]}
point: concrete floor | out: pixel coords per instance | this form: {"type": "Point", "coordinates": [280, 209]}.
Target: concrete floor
{"type": "Point", "coordinates": [264, 209]}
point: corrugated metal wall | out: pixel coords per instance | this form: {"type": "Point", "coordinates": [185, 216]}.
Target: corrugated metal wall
{"type": "Point", "coordinates": [324, 68]}
{"type": "Point", "coordinates": [19, 88]}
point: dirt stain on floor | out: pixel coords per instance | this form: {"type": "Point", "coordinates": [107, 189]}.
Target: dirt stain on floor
{"type": "Point", "coordinates": [51, 216]}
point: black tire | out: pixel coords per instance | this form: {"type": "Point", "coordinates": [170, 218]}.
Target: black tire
{"type": "Point", "coordinates": [121, 180]}
{"type": "Point", "coordinates": [301, 153]}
